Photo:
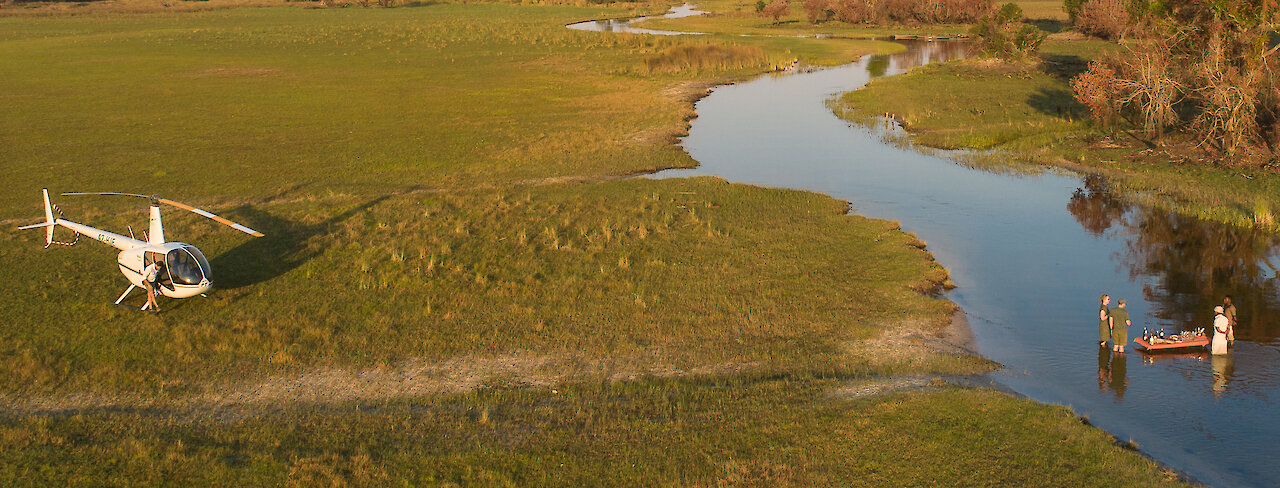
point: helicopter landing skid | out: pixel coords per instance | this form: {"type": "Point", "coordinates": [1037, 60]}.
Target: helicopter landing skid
{"type": "Point", "coordinates": [125, 294]}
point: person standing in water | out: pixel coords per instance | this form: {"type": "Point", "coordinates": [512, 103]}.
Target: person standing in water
{"type": "Point", "coordinates": [1220, 328]}
{"type": "Point", "coordinates": [1119, 318]}
{"type": "Point", "coordinates": [1104, 322]}
{"type": "Point", "coordinates": [1229, 311]}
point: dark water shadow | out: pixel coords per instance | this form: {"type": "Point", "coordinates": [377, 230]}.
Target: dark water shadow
{"type": "Point", "coordinates": [283, 248]}
{"type": "Point", "coordinates": [1058, 103]}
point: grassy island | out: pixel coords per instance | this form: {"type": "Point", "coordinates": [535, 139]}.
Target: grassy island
{"type": "Point", "coordinates": [459, 284]}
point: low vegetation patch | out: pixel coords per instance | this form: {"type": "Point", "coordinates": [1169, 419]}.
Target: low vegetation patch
{"type": "Point", "coordinates": [705, 56]}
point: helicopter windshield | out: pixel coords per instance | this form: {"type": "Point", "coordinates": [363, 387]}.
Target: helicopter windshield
{"type": "Point", "coordinates": [187, 266]}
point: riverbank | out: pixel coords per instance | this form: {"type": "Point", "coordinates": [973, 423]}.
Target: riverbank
{"type": "Point", "coordinates": [433, 304]}
{"type": "Point", "coordinates": [1026, 114]}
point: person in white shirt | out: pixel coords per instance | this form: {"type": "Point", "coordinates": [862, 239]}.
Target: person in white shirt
{"type": "Point", "coordinates": [149, 276]}
{"type": "Point", "coordinates": [1220, 327]}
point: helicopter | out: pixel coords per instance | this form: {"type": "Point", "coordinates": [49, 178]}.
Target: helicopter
{"type": "Point", "coordinates": [184, 271]}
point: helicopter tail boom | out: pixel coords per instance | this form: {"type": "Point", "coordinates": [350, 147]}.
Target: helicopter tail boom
{"type": "Point", "coordinates": [110, 238]}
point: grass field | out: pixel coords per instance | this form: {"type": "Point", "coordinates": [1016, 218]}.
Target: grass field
{"type": "Point", "coordinates": [455, 287]}
{"type": "Point", "coordinates": [611, 278]}
{"type": "Point", "coordinates": [230, 106]}
{"type": "Point", "coordinates": [675, 433]}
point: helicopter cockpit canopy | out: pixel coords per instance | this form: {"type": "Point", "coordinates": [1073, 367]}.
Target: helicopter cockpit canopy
{"type": "Point", "coordinates": [187, 266]}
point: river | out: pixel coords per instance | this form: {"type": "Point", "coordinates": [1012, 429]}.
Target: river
{"type": "Point", "coordinates": [1030, 255]}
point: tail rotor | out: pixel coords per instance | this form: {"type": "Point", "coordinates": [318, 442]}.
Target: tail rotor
{"type": "Point", "coordinates": [48, 223]}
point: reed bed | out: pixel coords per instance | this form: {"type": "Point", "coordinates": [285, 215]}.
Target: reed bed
{"type": "Point", "coordinates": [701, 57]}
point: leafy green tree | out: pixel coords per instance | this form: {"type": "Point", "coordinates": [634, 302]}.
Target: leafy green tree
{"type": "Point", "coordinates": [1005, 35]}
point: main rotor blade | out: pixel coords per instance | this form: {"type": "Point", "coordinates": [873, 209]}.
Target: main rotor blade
{"type": "Point", "coordinates": [82, 193]}
{"type": "Point", "coordinates": [216, 218]}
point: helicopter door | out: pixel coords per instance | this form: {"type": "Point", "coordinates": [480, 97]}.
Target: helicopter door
{"type": "Point", "coordinates": [163, 279]}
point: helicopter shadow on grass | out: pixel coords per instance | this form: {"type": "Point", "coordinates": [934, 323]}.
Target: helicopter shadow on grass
{"type": "Point", "coordinates": [283, 248]}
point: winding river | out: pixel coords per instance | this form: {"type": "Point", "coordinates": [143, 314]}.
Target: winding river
{"type": "Point", "coordinates": [1030, 255]}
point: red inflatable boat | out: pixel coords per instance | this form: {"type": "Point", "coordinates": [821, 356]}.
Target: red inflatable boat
{"type": "Point", "coordinates": [1194, 341]}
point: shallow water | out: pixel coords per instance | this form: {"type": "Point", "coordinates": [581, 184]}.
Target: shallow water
{"type": "Point", "coordinates": [1031, 254]}
{"type": "Point", "coordinates": [624, 25]}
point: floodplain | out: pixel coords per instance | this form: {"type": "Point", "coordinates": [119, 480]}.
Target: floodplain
{"type": "Point", "coordinates": [458, 285]}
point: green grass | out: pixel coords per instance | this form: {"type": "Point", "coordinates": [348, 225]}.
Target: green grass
{"type": "Point", "coordinates": [645, 433]}
{"type": "Point", "coordinates": [231, 106]}
{"type": "Point", "coordinates": [1029, 112]}
{"type": "Point", "coordinates": [644, 275]}
{"type": "Point", "coordinates": [452, 288]}
{"type": "Point", "coordinates": [972, 106]}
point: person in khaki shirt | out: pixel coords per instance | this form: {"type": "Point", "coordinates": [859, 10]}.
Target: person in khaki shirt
{"type": "Point", "coordinates": [1229, 310]}
{"type": "Point", "coordinates": [1119, 318]}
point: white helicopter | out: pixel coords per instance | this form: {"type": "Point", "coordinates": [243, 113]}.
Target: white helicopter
{"type": "Point", "coordinates": [184, 271]}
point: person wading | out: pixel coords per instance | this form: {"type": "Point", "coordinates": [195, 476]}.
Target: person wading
{"type": "Point", "coordinates": [1220, 328]}
{"type": "Point", "coordinates": [1104, 322]}
{"type": "Point", "coordinates": [1119, 318]}
{"type": "Point", "coordinates": [1229, 311]}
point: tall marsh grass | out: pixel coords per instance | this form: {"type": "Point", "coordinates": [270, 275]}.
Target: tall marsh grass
{"type": "Point", "coordinates": [703, 57]}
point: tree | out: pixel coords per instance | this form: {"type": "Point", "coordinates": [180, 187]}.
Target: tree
{"type": "Point", "coordinates": [776, 10]}
{"type": "Point", "coordinates": [1102, 18]}
{"type": "Point", "coordinates": [1072, 8]}
{"type": "Point", "coordinates": [1003, 34]}
{"type": "Point", "coordinates": [1207, 67]}
{"type": "Point", "coordinates": [1098, 89]}
{"type": "Point", "coordinates": [818, 10]}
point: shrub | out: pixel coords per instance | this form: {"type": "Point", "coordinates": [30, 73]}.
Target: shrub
{"type": "Point", "coordinates": [899, 10]}
{"type": "Point", "coordinates": [1097, 88]}
{"type": "Point", "coordinates": [1072, 8]}
{"type": "Point", "coordinates": [903, 11]}
{"type": "Point", "coordinates": [818, 10]}
{"type": "Point", "coordinates": [966, 11]}
{"type": "Point", "coordinates": [1003, 34]}
{"type": "Point", "coordinates": [1103, 18]}
{"type": "Point", "coordinates": [857, 11]}
{"type": "Point", "coordinates": [1228, 98]}
{"type": "Point", "coordinates": [776, 10]}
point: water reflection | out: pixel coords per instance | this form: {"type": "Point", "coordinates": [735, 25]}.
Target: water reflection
{"type": "Point", "coordinates": [1189, 265]}
{"type": "Point", "coordinates": [624, 25]}
{"type": "Point", "coordinates": [1223, 368]}
{"type": "Point", "coordinates": [919, 53]}
{"type": "Point", "coordinates": [1112, 372]}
